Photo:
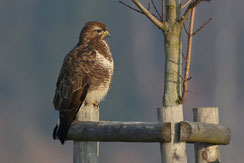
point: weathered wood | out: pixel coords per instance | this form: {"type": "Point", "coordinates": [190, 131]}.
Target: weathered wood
{"type": "Point", "coordinates": [86, 151]}
{"type": "Point", "coordinates": [174, 151]}
{"type": "Point", "coordinates": [120, 131]}
{"type": "Point", "coordinates": [193, 132]}
{"type": "Point", "coordinates": [205, 153]}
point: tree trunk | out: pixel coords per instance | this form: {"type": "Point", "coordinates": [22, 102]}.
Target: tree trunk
{"type": "Point", "coordinates": [175, 151]}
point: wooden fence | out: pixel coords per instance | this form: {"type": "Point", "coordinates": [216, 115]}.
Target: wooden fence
{"type": "Point", "coordinates": [205, 132]}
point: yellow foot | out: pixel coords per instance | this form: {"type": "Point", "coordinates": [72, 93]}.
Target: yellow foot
{"type": "Point", "coordinates": [95, 104]}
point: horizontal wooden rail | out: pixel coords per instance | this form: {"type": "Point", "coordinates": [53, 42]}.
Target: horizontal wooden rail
{"type": "Point", "coordinates": [113, 131]}
{"type": "Point", "coordinates": [201, 132]}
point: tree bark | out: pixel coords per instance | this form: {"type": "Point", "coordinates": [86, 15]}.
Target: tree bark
{"type": "Point", "coordinates": [174, 151]}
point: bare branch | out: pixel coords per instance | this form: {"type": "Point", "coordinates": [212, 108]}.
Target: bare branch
{"type": "Point", "coordinates": [189, 9]}
{"type": "Point", "coordinates": [182, 78]}
{"type": "Point", "coordinates": [148, 6]}
{"type": "Point", "coordinates": [188, 58]}
{"type": "Point", "coordinates": [200, 28]}
{"type": "Point", "coordinates": [184, 57]}
{"type": "Point", "coordinates": [163, 11]}
{"type": "Point", "coordinates": [159, 24]}
{"type": "Point", "coordinates": [130, 7]}
{"type": "Point", "coordinates": [156, 10]}
{"type": "Point", "coordinates": [189, 78]}
{"type": "Point", "coordinates": [184, 5]}
{"type": "Point", "coordinates": [185, 29]}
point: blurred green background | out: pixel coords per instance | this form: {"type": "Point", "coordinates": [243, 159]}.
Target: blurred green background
{"type": "Point", "coordinates": [35, 36]}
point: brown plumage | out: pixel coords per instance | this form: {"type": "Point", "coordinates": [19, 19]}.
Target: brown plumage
{"type": "Point", "coordinates": [85, 77]}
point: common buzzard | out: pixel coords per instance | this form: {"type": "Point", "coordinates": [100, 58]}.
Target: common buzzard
{"type": "Point", "coordinates": [85, 77]}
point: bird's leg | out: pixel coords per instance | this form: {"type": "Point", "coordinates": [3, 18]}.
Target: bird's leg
{"type": "Point", "coordinates": [95, 104]}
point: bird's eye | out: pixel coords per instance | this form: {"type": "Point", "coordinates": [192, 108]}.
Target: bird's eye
{"type": "Point", "coordinates": [99, 30]}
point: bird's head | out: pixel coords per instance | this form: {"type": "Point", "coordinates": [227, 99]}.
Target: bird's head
{"type": "Point", "coordinates": [94, 30]}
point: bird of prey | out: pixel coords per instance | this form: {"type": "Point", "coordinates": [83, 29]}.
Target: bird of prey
{"type": "Point", "coordinates": [85, 76]}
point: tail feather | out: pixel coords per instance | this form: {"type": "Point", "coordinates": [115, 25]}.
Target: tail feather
{"type": "Point", "coordinates": [60, 131]}
{"type": "Point", "coordinates": [66, 118]}
{"type": "Point", "coordinates": [63, 131]}
{"type": "Point", "coordinates": [55, 132]}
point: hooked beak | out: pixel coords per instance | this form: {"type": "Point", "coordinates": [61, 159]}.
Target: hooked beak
{"type": "Point", "coordinates": [106, 34]}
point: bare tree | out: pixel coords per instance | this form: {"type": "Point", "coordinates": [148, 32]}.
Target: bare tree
{"type": "Point", "coordinates": [171, 22]}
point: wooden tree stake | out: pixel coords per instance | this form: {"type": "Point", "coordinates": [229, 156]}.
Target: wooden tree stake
{"type": "Point", "coordinates": [87, 151]}
{"type": "Point", "coordinates": [174, 151]}
{"type": "Point", "coordinates": [204, 152]}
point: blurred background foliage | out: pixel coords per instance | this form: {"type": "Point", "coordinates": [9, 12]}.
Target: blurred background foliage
{"type": "Point", "coordinates": [37, 34]}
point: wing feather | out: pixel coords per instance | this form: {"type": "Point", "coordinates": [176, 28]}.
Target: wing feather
{"type": "Point", "coordinates": [67, 116]}
{"type": "Point", "coordinates": [73, 75]}
{"type": "Point", "coordinates": [72, 87]}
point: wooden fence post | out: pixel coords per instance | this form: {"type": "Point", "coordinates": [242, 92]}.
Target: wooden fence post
{"type": "Point", "coordinates": [205, 153]}
{"type": "Point", "coordinates": [86, 151]}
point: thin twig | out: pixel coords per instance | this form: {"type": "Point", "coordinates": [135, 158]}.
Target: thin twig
{"type": "Point", "coordinates": [182, 79]}
{"type": "Point", "coordinates": [163, 11]}
{"type": "Point", "coordinates": [156, 10]}
{"type": "Point", "coordinates": [189, 78]}
{"type": "Point", "coordinates": [185, 29]}
{"type": "Point", "coordinates": [131, 7]}
{"type": "Point", "coordinates": [184, 57]}
{"type": "Point", "coordinates": [200, 28]}
{"type": "Point", "coordinates": [148, 6]}
{"type": "Point", "coordinates": [184, 5]}
{"type": "Point", "coordinates": [159, 24]}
